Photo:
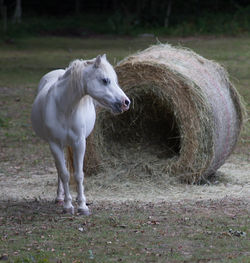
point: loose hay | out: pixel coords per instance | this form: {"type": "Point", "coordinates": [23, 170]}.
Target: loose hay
{"type": "Point", "coordinates": [184, 120]}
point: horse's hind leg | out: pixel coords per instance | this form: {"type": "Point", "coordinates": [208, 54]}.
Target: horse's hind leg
{"type": "Point", "coordinates": [60, 192]}
{"type": "Point", "coordinates": [63, 174]}
{"type": "Point", "coordinates": [78, 156]}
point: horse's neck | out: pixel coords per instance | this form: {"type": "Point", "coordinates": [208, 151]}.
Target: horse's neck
{"type": "Point", "coordinates": [68, 97]}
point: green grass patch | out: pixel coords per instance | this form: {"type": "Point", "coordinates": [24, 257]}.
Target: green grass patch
{"type": "Point", "coordinates": [38, 232]}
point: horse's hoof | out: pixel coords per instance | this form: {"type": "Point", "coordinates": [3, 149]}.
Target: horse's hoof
{"type": "Point", "coordinates": [68, 210]}
{"type": "Point", "coordinates": [84, 212]}
{"type": "Point", "coordinates": [59, 202]}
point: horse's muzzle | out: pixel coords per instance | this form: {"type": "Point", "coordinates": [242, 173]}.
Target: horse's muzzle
{"type": "Point", "coordinates": [120, 107]}
{"type": "Point", "coordinates": [125, 104]}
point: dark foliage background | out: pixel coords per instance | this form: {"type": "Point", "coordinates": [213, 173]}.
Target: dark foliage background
{"type": "Point", "coordinates": [170, 17]}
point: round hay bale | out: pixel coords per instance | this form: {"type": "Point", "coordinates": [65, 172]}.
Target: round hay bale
{"type": "Point", "coordinates": [184, 121]}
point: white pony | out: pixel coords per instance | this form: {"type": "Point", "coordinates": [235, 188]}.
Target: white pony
{"type": "Point", "coordinates": [63, 114]}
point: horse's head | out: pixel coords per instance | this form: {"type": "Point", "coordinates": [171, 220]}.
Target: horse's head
{"type": "Point", "coordinates": [101, 84]}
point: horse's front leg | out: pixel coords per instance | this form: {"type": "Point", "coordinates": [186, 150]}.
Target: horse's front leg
{"type": "Point", "coordinates": [78, 157]}
{"type": "Point", "coordinates": [63, 175]}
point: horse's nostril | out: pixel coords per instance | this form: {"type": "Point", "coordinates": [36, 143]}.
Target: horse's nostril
{"type": "Point", "coordinates": [127, 102]}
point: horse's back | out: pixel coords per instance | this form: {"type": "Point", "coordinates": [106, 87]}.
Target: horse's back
{"type": "Point", "coordinates": [50, 78]}
{"type": "Point", "coordinates": [38, 107]}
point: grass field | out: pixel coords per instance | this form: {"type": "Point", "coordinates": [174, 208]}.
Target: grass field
{"type": "Point", "coordinates": [36, 231]}
{"type": "Point", "coordinates": [128, 232]}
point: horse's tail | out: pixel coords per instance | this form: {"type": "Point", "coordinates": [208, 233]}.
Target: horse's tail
{"type": "Point", "coordinates": [70, 165]}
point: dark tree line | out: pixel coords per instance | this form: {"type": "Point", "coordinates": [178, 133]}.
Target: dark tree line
{"type": "Point", "coordinates": [136, 7]}
{"type": "Point", "coordinates": [135, 12]}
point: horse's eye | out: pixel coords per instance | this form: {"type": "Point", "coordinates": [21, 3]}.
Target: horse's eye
{"type": "Point", "coordinates": [106, 81]}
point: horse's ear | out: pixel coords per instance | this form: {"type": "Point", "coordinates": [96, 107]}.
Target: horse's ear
{"type": "Point", "coordinates": [97, 61]}
{"type": "Point", "coordinates": [104, 56]}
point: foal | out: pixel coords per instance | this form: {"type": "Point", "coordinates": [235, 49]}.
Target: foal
{"type": "Point", "coordinates": [63, 114]}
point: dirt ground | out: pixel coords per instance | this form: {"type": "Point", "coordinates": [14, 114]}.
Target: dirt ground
{"type": "Point", "coordinates": [231, 181]}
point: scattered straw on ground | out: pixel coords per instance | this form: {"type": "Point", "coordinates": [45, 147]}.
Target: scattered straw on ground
{"type": "Point", "coordinates": [233, 181]}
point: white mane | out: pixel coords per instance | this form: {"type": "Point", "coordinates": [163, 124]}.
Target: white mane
{"type": "Point", "coordinates": [75, 71]}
